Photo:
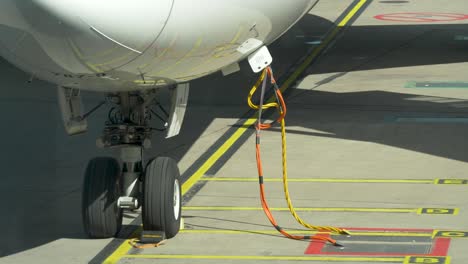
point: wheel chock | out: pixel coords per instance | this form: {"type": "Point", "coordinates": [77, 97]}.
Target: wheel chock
{"type": "Point", "coordinates": [148, 239]}
{"type": "Point", "coordinates": [152, 237]}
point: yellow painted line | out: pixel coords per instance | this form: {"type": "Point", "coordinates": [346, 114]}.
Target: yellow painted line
{"type": "Point", "coordinates": [450, 233]}
{"type": "Point", "coordinates": [428, 181]}
{"type": "Point", "coordinates": [272, 232]}
{"type": "Point", "coordinates": [427, 259]}
{"type": "Point", "coordinates": [218, 153]}
{"type": "Point", "coordinates": [284, 258]}
{"type": "Point", "coordinates": [351, 13]}
{"type": "Point", "coordinates": [122, 249]}
{"type": "Point", "coordinates": [451, 181]}
{"type": "Point", "coordinates": [304, 209]}
{"type": "Point", "coordinates": [125, 246]}
{"type": "Point", "coordinates": [319, 49]}
{"type": "Point", "coordinates": [439, 211]}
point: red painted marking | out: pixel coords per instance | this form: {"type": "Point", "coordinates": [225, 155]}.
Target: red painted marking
{"type": "Point", "coordinates": [373, 254]}
{"type": "Point", "coordinates": [439, 248]}
{"type": "Point", "coordinates": [423, 230]}
{"type": "Point", "coordinates": [422, 17]}
{"type": "Point", "coordinates": [316, 246]}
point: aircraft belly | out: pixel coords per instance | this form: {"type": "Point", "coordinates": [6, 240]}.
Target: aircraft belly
{"type": "Point", "coordinates": [86, 49]}
{"type": "Point", "coordinates": [198, 40]}
{"type": "Point", "coordinates": [78, 41]}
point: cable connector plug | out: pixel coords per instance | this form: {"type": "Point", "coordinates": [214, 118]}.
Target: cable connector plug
{"type": "Point", "coordinates": [344, 232]}
{"type": "Point", "coordinates": [336, 244]}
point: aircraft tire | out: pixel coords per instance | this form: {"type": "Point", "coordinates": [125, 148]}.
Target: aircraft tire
{"type": "Point", "coordinates": [102, 218]}
{"type": "Point", "coordinates": [162, 197]}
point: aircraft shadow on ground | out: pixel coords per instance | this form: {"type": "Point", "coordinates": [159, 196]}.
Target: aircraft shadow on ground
{"type": "Point", "coordinates": [43, 168]}
{"type": "Point", "coordinates": [425, 124]}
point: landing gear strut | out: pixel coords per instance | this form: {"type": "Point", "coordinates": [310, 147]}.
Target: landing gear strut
{"type": "Point", "coordinates": [111, 187]}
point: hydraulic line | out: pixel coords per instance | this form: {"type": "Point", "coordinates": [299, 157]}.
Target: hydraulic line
{"type": "Point", "coordinates": [280, 105]}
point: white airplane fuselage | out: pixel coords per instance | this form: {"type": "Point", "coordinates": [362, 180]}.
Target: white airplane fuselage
{"type": "Point", "coordinates": [112, 46]}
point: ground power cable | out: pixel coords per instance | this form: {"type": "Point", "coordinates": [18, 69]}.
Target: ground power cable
{"type": "Point", "coordinates": [280, 106]}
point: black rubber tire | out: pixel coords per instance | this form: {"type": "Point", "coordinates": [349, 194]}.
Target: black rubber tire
{"type": "Point", "coordinates": [158, 203]}
{"type": "Point", "coordinates": [101, 189]}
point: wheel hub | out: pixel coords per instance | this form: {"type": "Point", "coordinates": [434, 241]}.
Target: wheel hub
{"type": "Point", "coordinates": [176, 203]}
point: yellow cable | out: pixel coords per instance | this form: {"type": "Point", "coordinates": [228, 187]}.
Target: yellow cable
{"type": "Point", "coordinates": [252, 92]}
{"type": "Point", "coordinates": [286, 190]}
{"type": "Point", "coordinates": [284, 161]}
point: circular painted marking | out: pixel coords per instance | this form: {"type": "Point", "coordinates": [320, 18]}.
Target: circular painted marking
{"type": "Point", "coordinates": [422, 17]}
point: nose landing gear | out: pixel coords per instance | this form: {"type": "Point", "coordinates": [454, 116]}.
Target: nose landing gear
{"type": "Point", "coordinates": [155, 188]}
